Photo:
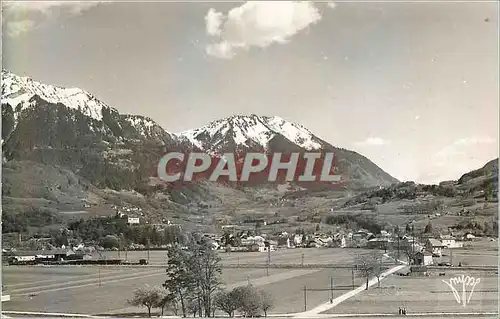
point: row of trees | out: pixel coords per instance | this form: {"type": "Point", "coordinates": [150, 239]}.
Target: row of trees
{"type": "Point", "coordinates": [114, 232]}
{"type": "Point", "coordinates": [193, 286]}
{"type": "Point", "coordinates": [247, 300]}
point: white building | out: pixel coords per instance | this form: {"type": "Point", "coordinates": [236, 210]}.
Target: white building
{"type": "Point", "coordinates": [297, 239]}
{"type": "Point", "coordinates": [343, 242]}
{"type": "Point", "coordinates": [133, 220]}
{"type": "Point", "coordinates": [450, 242]}
{"type": "Point", "coordinates": [470, 237]}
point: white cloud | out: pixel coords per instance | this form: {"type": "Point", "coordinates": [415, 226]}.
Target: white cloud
{"type": "Point", "coordinates": [258, 24]}
{"type": "Point", "coordinates": [21, 16]}
{"type": "Point", "coordinates": [373, 141]}
{"type": "Point", "coordinates": [461, 147]}
{"type": "Point", "coordinates": [15, 28]}
{"type": "Point", "coordinates": [213, 22]}
{"type": "Point", "coordinates": [331, 4]}
{"type": "Point", "coordinates": [459, 157]}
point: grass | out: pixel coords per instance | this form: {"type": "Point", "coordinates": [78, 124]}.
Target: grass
{"type": "Point", "coordinates": [422, 295]}
{"type": "Point", "coordinates": [76, 289]}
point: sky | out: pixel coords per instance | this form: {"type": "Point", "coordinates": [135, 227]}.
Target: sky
{"type": "Point", "coordinates": [412, 86]}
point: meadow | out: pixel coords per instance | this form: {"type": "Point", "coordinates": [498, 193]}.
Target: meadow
{"type": "Point", "coordinates": [105, 289]}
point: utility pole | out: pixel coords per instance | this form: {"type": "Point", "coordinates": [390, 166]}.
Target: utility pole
{"type": "Point", "coordinates": [148, 250]}
{"type": "Point", "coordinates": [331, 288]}
{"type": "Point", "coordinates": [99, 276]}
{"type": "Point", "coordinates": [398, 247]}
{"type": "Point", "coordinates": [268, 258]}
{"type": "Point", "coordinates": [451, 256]}
{"type": "Point", "coordinates": [305, 298]}
{"type": "Point", "coordinates": [302, 259]}
{"type": "Point", "coordinates": [352, 273]}
{"type": "Point", "coordinates": [413, 240]}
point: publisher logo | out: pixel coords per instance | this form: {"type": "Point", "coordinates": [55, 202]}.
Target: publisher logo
{"type": "Point", "coordinates": [251, 167]}
{"type": "Point", "coordinates": [462, 288]}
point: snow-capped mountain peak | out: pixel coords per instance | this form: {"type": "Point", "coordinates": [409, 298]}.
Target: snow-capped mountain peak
{"type": "Point", "coordinates": [18, 91]}
{"type": "Point", "coordinates": [249, 131]}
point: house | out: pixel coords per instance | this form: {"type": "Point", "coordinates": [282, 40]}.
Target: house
{"type": "Point", "coordinates": [469, 237]}
{"type": "Point", "coordinates": [269, 245]}
{"type": "Point", "coordinates": [133, 220]}
{"type": "Point", "coordinates": [252, 240]}
{"type": "Point", "coordinates": [379, 243]}
{"type": "Point", "coordinates": [323, 241]}
{"type": "Point", "coordinates": [435, 247]}
{"type": "Point", "coordinates": [297, 239]}
{"type": "Point", "coordinates": [23, 256]}
{"type": "Point", "coordinates": [450, 241]}
{"type": "Point", "coordinates": [418, 271]}
{"type": "Point", "coordinates": [423, 258]}
{"type": "Point", "coordinates": [41, 255]}
{"type": "Point", "coordinates": [339, 241]}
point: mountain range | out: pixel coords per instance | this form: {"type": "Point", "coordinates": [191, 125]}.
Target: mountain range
{"type": "Point", "coordinates": [72, 128]}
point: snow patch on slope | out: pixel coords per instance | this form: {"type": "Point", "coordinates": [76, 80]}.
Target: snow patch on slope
{"type": "Point", "coordinates": [18, 90]}
{"type": "Point", "coordinates": [252, 128]}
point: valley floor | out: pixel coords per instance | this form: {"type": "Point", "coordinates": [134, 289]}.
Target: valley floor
{"type": "Point", "coordinates": [105, 290]}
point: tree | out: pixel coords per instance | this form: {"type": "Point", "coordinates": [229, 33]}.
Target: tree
{"type": "Point", "coordinates": [206, 271]}
{"type": "Point", "coordinates": [165, 301]}
{"type": "Point", "coordinates": [408, 228]}
{"type": "Point", "coordinates": [226, 301]}
{"type": "Point", "coordinates": [147, 296]}
{"type": "Point", "coordinates": [266, 301]}
{"type": "Point", "coordinates": [377, 261]}
{"type": "Point", "coordinates": [248, 300]}
{"type": "Point", "coordinates": [407, 249]}
{"type": "Point", "coordinates": [364, 267]}
{"type": "Point", "coordinates": [179, 282]}
{"type": "Point", "coordinates": [486, 228]}
{"type": "Point", "coordinates": [110, 241]}
{"type": "Point", "coordinates": [428, 228]}
{"type": "Point", "coordinates": [193, 274]}
{"type": "Point", "coordinates": [396, 230]}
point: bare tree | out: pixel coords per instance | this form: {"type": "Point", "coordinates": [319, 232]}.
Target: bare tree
{"type": "Point", "coordinates": [179, 281]}
{"type": "Point", "coordinates": [149, 297]}
{"type": "Point", "coordinates": [193, 307]}
{"type": "Point", "coordinates": [364, 267]}
{"type": "Point", "coordinates": [377, 261]}
{"type": "Point", "coordinates": [206, 271]}
{"type": "Point", "coordinates": [193, 274]}
{"type": "Point", "coordinates": [167, 301]}
{"type": "Point", "coordinates": [226, 301]}
{"type": "Point", "coordinates": [266, 301]}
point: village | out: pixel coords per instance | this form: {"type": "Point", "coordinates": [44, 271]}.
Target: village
{"type": "Point", "coordinates": [423, 249]}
